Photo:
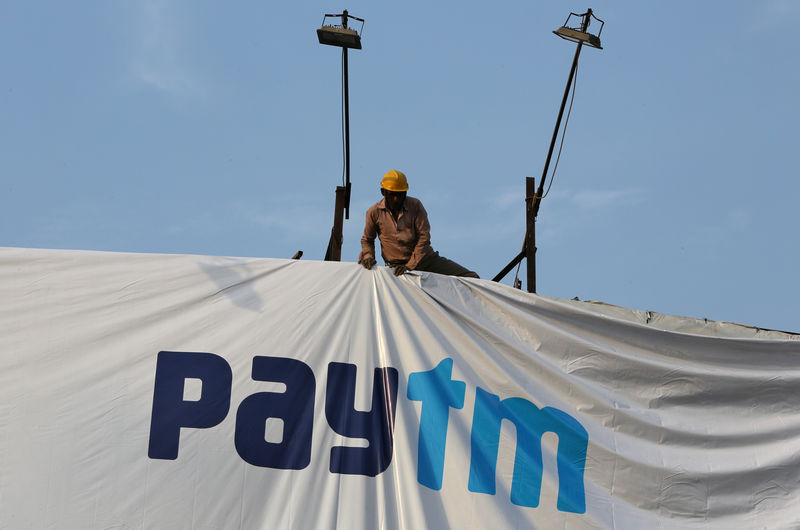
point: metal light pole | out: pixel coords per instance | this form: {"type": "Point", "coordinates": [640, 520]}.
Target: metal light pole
{"type": "Point", "coordinates": [343, 37]}
{"type": "Point", "coordinates": [533, 200]}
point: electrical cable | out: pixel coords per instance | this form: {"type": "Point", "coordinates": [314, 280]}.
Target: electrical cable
{"type": "Point", "coordinates": [516, 274]}
{"type": "Point", "coordinates": [563, 133]}
{"type": "Point", "coordinates": [344, 149]}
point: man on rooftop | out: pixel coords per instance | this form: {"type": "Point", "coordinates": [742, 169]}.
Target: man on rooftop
{"type": "Point", "coordinates": [401, 224]}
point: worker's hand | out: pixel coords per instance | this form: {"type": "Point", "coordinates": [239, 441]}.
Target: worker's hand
{"type": "Point", "coordinates": [367, 263]}
{"type": "Point", "coordinates": [399, 270]}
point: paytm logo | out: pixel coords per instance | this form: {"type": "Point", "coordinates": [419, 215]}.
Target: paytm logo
{"type": "Point", "coordinates": [294, 409]}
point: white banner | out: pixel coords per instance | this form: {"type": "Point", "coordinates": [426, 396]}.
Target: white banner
{"type": "Point", "coordinates": [166, 391]}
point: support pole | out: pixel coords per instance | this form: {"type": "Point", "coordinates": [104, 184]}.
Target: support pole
{"type": "Point", "coordinates": [341, 209]}
{"type": "Point", "coordinates": [584, 25]}
{"type": "Point", "coordinates": [334, 252]}
{"type": "Point", "coordinates": [511, 264]}
{"type": "Point", "coordinates": [529, 244]}
{"type": "Point", "coordinates": [530, 232]}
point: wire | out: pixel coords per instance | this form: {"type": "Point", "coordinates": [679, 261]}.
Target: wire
{"type": "Point", "coordinates": [563, 133]}
{"type": "Point", "coordinates": [344, 149]}
{"type": "Point", "coordinates": [516, 274]}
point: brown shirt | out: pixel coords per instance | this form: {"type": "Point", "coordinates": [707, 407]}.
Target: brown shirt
{"type": "Point", "coordinates": [405, 239]}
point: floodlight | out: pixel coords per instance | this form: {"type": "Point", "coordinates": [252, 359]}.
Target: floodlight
{"type": "Point", "coordinates": [579, 34]}
{"type": "Point", "coordinates": [339, 34]}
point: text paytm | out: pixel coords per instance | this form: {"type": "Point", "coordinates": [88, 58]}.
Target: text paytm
{"type": "Point", "coordinates": [435, 389]}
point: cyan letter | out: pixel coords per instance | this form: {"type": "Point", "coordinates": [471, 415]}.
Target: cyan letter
{"type": "Point", "coordinates": [377, 425]}
{"type": "Point", "coordinates": [530, 423]}
{"type": "Point", "coordinates": [295, 407]}
{"type": "Point", "coordinates": [171, 412]}
{"type": "Point", "coordinates": [438, 392]}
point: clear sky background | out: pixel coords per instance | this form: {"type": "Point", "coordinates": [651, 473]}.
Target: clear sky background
{"type": "Point", "coordinates": [215, 128]}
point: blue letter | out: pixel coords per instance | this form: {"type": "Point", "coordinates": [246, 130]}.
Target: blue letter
{"type": "Point", "coordinates": [295, 407]}
{"type": "Point", "coordinates": [438, 392]}
{"type": "Point", "coordinates": [531, 423]}
{"type": "Point", "coordinates": [171, 412]}
{"type": "Point", "coordinates": [377, 425]}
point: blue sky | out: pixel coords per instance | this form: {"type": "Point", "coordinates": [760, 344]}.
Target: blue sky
{"type": "Point", "coordinates": [214, 128]}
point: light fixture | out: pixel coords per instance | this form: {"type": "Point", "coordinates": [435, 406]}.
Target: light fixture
{"type": "Point", "coordinates": [339, 34]}
{"type": "Point", "coordinates": [580, 34]}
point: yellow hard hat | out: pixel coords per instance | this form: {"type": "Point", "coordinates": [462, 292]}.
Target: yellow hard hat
{"type": "Point", "coordinates": [394, 180]}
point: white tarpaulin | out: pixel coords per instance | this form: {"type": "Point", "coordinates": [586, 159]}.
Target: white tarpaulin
{"type": "Point", "coordinates": [165, 391]}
